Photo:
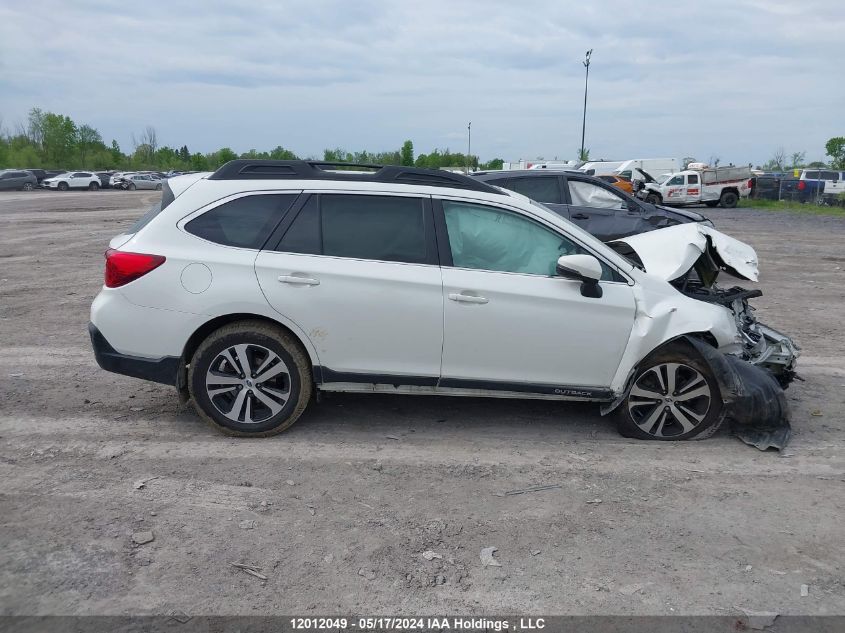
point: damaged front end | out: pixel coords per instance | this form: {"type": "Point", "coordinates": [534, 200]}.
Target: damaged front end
{"type": "Point", "coordinates": [762, 363]}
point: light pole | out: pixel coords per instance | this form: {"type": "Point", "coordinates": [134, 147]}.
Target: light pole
{"type": "Point", "coordinates": [469, 145]}
{"type": "Point", "coordinates": [586, 63]}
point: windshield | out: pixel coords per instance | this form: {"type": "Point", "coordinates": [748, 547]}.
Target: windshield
{"type": "Point", "coordinates": [663, 178]}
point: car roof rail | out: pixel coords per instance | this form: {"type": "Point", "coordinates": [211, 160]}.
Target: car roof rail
{"type": "Point", "coordinates": [247, 169]}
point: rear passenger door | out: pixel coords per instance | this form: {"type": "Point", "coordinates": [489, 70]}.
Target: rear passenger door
{"type": "Point", "coordinates": [358, 273]}
{"type": "Point", "coordinates": [545, 189]}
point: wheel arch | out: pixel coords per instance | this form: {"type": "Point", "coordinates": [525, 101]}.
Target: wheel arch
{"type": "Point", "coordinates": [204, 330]}
{"type": "Point", "coordinates": [680, 339]}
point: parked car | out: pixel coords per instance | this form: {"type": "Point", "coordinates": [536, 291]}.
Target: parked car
{"type": "Point", "coordinates": [142, 181]}
{"type": "Point", "coordinates": [619, 182]}
{"type": "Point", "coordinates": [73, 180]}
{"type": "Point", "coordinates": [105, 179]}
{"type": "Point", "coordinates": [39, 174]}
{"type": "Point", "coordinates": [17, 180]}
{"type": "Point", "coordinates": [814, 184]}
{"type": "Point", "coordinates": [252, 287]}
{"type": "Point", "coordinates": [594, 205]}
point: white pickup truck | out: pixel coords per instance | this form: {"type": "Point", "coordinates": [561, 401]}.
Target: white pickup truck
{"type": "Point", "coordinates": [699, 183]}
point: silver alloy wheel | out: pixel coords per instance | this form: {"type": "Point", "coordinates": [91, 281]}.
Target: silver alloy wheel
{"type": "Point", "coordinates": [669, 399]}
{"type": "Point", "coordinates": [27, 186]}
{"type": "Point", "coordinates": [248, 383]}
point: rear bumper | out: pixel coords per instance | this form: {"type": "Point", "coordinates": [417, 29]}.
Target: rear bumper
{"type": "Point", "coordinates": [163, 370]}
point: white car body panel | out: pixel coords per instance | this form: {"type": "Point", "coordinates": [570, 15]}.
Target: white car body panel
{"type": "Point", "coordinates": [362, 316]}
{"type": "Point", "coordinates": [669, 253]}
{"type": "Point", "coordinates": [531, 328]}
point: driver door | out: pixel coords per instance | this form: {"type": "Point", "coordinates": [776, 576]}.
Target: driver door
{"type": "Point", "coordinates": [602, 210]}
{"type": "Point", "coordinates": [676, 190]}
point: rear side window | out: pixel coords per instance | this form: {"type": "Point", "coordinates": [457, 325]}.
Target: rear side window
{"type": "Point", "coordinates": [244, 222]}
{"type": "Point", "coordinates": [692, 179]}
{"type": "Point", "coordinates": [544, 189]}
{"type": "Point", "coordinates": [382, 228]}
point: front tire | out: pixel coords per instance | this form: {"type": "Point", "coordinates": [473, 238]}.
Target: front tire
{"type": "Point", "coordinates": [674, 396]}
{"type": "Point", "coordinates": [28, 186]}
{"type": "Point", "coordinates": [63, 186]}
{"type": "Point", "coordinates": [131, 186]}
{"type": "Point", "coordinates": [250, 379]}
{"type": "Point", "coordinates": [653, 198]}
{"type": "Point", "coordinates": [158, 187]}
{"type": "Point", "coordinates": [728, 200]}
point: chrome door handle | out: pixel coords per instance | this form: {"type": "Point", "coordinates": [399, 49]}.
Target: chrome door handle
{"type": "Point", "coordinates": [299, 281]}
{"type": "Point", "coordinates": [455, 296]}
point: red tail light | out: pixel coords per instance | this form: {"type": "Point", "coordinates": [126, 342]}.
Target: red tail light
{"type": "Point", "coordinates": [750, 184]}
{"type": "Point", "coordinates": [802, 185]}
{"type": "Point", "coordinates": [121, 267]}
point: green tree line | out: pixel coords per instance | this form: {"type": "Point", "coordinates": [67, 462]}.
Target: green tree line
{"type": "Point", "coordinates": [55, 141]}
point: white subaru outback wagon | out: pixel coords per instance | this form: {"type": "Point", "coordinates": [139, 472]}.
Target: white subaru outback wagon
{"type": "Point", "coordinates": [255, 287]}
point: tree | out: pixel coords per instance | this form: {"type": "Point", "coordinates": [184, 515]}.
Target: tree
{"type": "Point", "coordinates": [835, 148]}
{"type": "Point", "coordinates": [583, 155]}
{"type": "Point", "coordinates": [87, 138]}
{"type": "Point", "coordinates": [280, 153]}
{"type": "Point", "coordinates": [184, 154]}
{"type": "Point", "coordinates": [58, 139]}
{"type": "Point", "coordinates": [496, 163]}
{"type": "Point", "coordinates": [687, 160]}
{"type": "Point", "coordinates": [407, 154]}
{"type": "Point", "coordinates": [779, 159]}
{"type": "Point", "coordinates": [797, 159]}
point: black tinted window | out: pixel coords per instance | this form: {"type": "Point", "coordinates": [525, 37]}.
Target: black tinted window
{"type": "Point", "coordinates": [541, 189]}
{"type": "Point", "coordinates": [811, 175]}
{"type": "Point", "coordinates": [692, 179]}
{"type": "Point", "coordinates": [244, 222]}
{"type": "Point", "coordinates": [383, 228]}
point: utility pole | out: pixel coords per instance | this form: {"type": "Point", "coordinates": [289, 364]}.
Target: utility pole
{"type": "Point", "coordinates": [586, 63]}
{"type": "Point", "coordinates": [469, 145]}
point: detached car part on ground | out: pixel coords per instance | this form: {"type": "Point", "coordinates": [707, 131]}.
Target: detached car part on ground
{"type": "Point", "coordinates": [252, 288]}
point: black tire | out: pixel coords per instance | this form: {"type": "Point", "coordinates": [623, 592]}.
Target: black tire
{"type": "Point", "coordinates": [646, 418]}
{"type": "Point", "coordinates": [63, 186]}
{"type": "Point", "coordinates": [93, 186]}
{"type": "Point", "coordinates": [712, 203]}
{"type": "Point", "coordinates": [653, 198]}
{"type": "Point", "coordinates": [27, 186]}
{"type": "Point", "coordinates": [257, 337]}
{"type": "Point", "coordinates": [131, 186]}
{"type": "Point", "coordinates": [158, 187]}
{"type": "Point", "coordinates": [728, 200]}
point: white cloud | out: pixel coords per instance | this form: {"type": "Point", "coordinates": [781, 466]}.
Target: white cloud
{"type": "Point", "coordinates": [734, 79]}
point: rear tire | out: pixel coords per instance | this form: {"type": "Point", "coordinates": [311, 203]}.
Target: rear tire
{"type": "Point", "coordinates": [674, 397]}
{"type": "Point", "coordinates": [250, 379]}
{"type": "Point", "coordinates": [93, 186]}
{"type": "Point", "coordinates": [28, 186]}
{"type": "Point", "coordinates": [63, 186]}
{"type": "Point", "coordinates": [158, 187]}
{"type": "Point", "coordinates": [728, 200]}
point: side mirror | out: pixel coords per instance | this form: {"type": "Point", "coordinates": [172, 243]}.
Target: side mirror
{"type": "Point", "coordinates": [584, 268]}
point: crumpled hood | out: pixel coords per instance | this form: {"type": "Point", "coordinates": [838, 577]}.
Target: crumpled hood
{"type": "Point", "coordinates": [671, 252]}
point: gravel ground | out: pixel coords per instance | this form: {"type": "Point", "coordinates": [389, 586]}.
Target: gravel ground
{"type": "Point", "coordinates": [337, 512]}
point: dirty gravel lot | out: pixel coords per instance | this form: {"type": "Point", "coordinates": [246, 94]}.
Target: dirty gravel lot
{"type": "Point", "coordinates": [337, 512]}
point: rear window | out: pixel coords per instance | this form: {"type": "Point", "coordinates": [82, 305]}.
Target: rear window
{"type": "Point", "coordinates": [381, 228]}
{"type": "Point", "coordinates": [244, 222]}
{"type": "Point", "coordinates": [544, 189]}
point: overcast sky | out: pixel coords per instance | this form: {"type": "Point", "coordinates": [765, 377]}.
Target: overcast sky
{"type": "Point", "coordinates": [733, 79]}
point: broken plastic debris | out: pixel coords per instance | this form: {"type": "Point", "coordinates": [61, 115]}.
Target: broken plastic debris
{"type": "Point", "coordinates": [487, 559]}
{"type": "Point", "coordinates": [429, 555]}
